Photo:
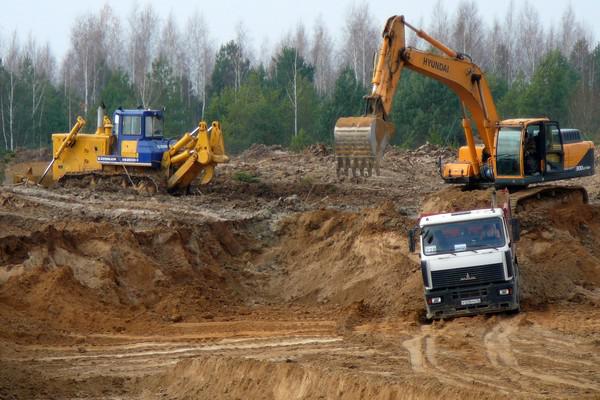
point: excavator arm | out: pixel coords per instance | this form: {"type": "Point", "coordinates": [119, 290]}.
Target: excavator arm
{"type": "Point", "coordinates": [360, 141]}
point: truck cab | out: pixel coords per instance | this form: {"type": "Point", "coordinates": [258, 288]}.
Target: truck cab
{"type": "Point", "coordinates": [138, 138]}
{"type": "Point", "coordinates": [468, 262]}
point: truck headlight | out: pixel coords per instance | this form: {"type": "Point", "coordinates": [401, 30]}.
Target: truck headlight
{"type": "Point", "coordinates": [505, 292]}
{"type": "Point", "coordinates": [434, 300]}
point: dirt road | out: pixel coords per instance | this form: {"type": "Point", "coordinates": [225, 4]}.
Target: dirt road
{"type": "Point", "coordinates": [293, 286]}
{"type": "Point", "coordinates": [497, 357]}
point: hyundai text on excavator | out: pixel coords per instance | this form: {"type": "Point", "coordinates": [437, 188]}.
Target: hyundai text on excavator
{"type": "Point", "coordinates": [131, 150]}
{"type": "Point", "coordinates": [513, 153]}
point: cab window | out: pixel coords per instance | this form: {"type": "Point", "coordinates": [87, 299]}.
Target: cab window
{"type": "Point", "coordinates": [117, 124]}
{"type": "Point", "coordinates": [508, 156]}
{"type": "Point", "coordinates": [553, 142]}
{"type": "Point", "coordinates": [154, 126]}
{"type": "Point", "coordinates": [132, 125]}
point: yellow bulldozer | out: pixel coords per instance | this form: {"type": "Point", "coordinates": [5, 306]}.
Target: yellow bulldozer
{"type": "Point", "coordinates": [131, 150]}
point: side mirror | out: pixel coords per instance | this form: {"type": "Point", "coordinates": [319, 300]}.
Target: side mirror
{"type": "Point", "coordinates": [516, 229]}
{"type": "Point", "coordinates": [411, 240]}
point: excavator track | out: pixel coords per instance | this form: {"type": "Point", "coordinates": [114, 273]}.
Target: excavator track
{"type": "Point", "coordinates": [534, 197]}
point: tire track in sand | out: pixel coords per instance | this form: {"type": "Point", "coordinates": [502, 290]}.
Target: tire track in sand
{"type": "Point", "coordinates": [422, 350]}
{"type": "Point", "coordinates": [500, 354]}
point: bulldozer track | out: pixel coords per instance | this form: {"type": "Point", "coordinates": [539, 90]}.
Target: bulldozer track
{"type": "Point", "coordinates": [148, 183]}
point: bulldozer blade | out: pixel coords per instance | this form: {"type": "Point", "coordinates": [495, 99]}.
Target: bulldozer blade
{"type": "Point", "coordinates": [360, 143]}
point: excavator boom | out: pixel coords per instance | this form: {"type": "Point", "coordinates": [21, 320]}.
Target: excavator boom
{"type": "Point", "coordinates": [361, 141]}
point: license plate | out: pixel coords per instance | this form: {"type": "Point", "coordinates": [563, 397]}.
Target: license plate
{"type": "Point", "coordinates": [469, 301]}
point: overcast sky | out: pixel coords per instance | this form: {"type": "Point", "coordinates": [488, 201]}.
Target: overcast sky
{"type": "Point", "coordinates": [51, 20]}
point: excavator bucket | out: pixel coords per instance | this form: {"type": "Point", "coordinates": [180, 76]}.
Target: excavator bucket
{"type": "Point", "coordinates": [360, 143]}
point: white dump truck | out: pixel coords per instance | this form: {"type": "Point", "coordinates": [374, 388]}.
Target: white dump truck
{"type": "Point", "coordinates": [468, 261]}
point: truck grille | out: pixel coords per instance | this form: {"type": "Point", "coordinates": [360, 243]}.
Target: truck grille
{"type": "Point", "coordinates": [468, 276]}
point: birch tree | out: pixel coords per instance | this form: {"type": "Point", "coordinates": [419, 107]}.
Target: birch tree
{"type": "Point", "coordinates": [530, 38]}
{"type": "Point", "coordinates": [8, 106]}
{"type": "Point", "coordinates": [244, 54]}
{"type": "Point", "coordinates": [91, 54]}
{"type": "Point", "coordinates": [112, 36]}
{"type": "Point", "coordinates": [293, 75]}
{"type": "Point", "coordinates": [265, 53]}
{"type": "Point", "coordinates": [37, 70]}
{"type": "Point", "coordinates": [143, 32]}
{"type": "Point", "coordinates": [170, 47]}
{"type": "Point", "coordinates": [495, 47]}
{"type": "Point", "coordinates": [200, 57]}
{"type": "Point", "coordinates": [468, 31]}
{"type": "Point", "coordinates": [568, 30]}
{"type": "Point", "coordinates": [360, 42]}
{"type": "Point", "coordinates": [508, 55]}
{"type": "Point", "coordinates": [300, 42]}
{"type": "Point", "coordinates": [321, 54]}
{"type": "Point", "coordinates": [440, 23]}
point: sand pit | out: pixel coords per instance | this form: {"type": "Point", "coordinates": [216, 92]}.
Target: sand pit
{"type": "Point", "coordinates": [296, 284]}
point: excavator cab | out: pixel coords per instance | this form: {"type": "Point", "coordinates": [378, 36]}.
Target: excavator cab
{"type": "Point", "coordinates": [536, 150]}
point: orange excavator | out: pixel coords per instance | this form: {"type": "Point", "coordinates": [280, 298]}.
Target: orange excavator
{"type": "Point", "coordinates": [512, 153]}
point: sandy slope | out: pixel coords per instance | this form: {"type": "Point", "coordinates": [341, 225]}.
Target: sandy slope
{"type": "Point", "coordinates": [295, 286]}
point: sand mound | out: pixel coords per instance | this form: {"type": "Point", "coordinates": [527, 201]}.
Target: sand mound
{"type": "Point", "coordinates": [233, 378]}
{"type": "Point", "coordinates": [88, 276]}
{"type": "Point", "coordinates": [559, 253]}
{"type": "Point", "coordinates": [107, 275]}
{"type": "Point", "coordinates": [457, 198]}
{"type": "Point", "coordinates": [335, 257]}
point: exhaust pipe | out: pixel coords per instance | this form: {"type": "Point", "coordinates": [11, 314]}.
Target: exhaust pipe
{"type": "Point", "coordinates": [100, 122]}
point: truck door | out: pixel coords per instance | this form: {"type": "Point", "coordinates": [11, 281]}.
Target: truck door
{"type": "Point", "coordinates": [554, 154]}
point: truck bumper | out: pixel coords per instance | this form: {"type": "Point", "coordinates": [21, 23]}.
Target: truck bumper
{"type": "Point", "coordinates": [470, 300]}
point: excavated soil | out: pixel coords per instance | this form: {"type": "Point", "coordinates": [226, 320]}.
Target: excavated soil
{"type": "Point", "coordinates": [281, 281]}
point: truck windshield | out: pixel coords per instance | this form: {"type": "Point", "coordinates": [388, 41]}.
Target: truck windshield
{"type": "Point", "coordinates": [454, 237]}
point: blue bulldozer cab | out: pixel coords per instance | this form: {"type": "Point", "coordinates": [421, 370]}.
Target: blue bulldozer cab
{"type": "Point", "coordinates": [138, 139]}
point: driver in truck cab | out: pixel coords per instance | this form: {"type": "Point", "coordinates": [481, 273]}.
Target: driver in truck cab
{"type": "Point", "coordinates": [489, 232]}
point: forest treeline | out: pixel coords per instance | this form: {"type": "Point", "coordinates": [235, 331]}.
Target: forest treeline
{"type": "Point", "coordinates": [292, 92]}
